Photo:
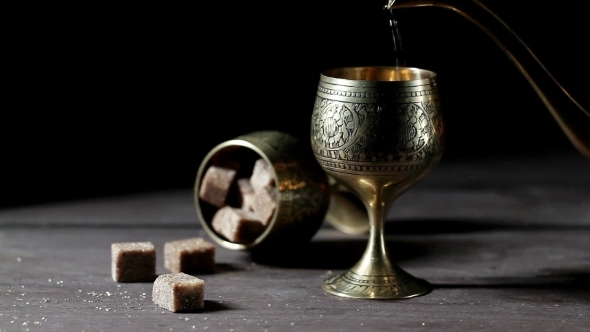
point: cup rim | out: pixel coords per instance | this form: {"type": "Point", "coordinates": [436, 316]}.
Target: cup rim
{"type": "Point", "coordinates": [343, 75]}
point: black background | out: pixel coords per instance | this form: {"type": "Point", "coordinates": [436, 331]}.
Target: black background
{"type": "Point", "coordinates": [106, 99]}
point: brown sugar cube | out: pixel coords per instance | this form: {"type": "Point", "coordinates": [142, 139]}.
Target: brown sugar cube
{"type": "Point", "coordinates": [263, 175]}
{"type": "Point", "coordinates": [193, 255]}
{"type": "Point", "coordinates": [246, 195]}
{"type": "Point", "coordinates": [179, 292]}
{"type": "Point", "coordinates": [265, 205]}
{"type": "Point", "coordinates": [237, 225]}
{"type": "Point", "coordinates": [216, 184]}
{"type": "Point", "coordinates": [133, 262]}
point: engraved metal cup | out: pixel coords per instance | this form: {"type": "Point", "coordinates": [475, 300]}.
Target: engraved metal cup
{"type": "Point", "coordinates": [303, 192]}
{"type": "Point", "coordinates": [377, 131]}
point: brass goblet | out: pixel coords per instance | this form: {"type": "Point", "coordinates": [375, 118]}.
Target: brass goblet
{"type": "Point", "coordinates": [377, 131]}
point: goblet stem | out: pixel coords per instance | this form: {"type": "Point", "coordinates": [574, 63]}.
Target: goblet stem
{"type": "Point", "coordinates": [375, 260]}
{"type": "Point", "coordinates": [375, 276]}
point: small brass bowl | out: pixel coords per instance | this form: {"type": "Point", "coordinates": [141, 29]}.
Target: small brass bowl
{"type": "Point", "coordinates": [303, 191]}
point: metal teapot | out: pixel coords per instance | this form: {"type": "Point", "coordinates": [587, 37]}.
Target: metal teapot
{"type": "Point", "coordinates": [573, 119]}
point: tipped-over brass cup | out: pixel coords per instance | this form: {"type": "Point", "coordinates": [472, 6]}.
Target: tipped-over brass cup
{"type": "Point", "coordinates": [377, 131]}
{"type": "Point", "coordinates": [302, 188]}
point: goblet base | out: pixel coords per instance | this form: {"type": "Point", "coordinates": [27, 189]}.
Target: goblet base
{"type": "Point", "coordinates": [400, 285]}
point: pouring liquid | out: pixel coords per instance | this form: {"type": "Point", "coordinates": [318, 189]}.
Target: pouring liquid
{"type": "Point", "coordinates": [398, 52]}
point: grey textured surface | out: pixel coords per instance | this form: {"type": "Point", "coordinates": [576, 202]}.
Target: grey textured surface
{"type": "Point", "coordinates": [506, 245]}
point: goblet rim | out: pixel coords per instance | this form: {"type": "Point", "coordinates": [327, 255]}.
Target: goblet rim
{"type": "Point", "coordinates": [378, 75]}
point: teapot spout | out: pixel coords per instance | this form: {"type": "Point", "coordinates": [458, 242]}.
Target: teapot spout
{"type": "Point", "coordinates": [572, 118]}
{"type": "Point", "coordinates": [389, 4]}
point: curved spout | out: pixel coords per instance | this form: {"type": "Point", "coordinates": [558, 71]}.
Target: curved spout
{"type": "Point", "coordinates": [572, 118]}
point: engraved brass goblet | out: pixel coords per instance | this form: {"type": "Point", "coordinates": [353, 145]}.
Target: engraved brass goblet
{"type": "Point", "coordinates": [377, 131]}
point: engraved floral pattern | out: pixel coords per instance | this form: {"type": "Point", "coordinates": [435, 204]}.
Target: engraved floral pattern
{"type": "Point", "coordinates": [335, 123]}
{"type": "Point", "coordinates": [361, 131]}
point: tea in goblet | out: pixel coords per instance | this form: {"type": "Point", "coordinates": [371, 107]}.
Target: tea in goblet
{"type": "Point", "coordinates": [377, 131]}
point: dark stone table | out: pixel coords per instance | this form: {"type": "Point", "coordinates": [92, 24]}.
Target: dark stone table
{"type": "Point", "coordinates": [505, 243]}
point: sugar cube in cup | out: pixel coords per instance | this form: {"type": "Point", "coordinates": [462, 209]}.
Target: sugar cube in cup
{"type": "Point", "coordinates": [216, 184]}
{"type": "Point", "coordinates": [243, 206]}
{"type": "Point", "coordinates": [237, 225]}
{"type": "Point", "coordinates": [264, 205]}
{"type": "Point", "coordinates": [263, 175]}
{"type": "Point", "coordinates": [246, 194]}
